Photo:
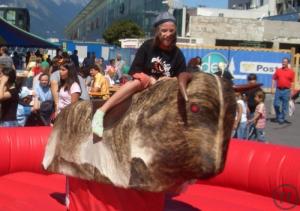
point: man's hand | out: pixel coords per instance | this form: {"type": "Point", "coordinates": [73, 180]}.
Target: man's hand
{"type": "Point", "coordinates": [272, 91]}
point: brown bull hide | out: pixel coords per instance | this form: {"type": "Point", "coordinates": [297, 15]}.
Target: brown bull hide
{"type": "Point", "coordinates": [161, 141]}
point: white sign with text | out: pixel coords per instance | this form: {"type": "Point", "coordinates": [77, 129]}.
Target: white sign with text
{"type": "Point", "coordinates": [258, 67]}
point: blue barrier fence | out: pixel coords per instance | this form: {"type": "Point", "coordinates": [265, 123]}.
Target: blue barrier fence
{"type": "Point", "coordinates": [240, 62]}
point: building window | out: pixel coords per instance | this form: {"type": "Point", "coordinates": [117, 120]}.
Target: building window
{"type": "Point", "coordinates": [248, 5]}
{"type": "Point", "coordinates": [97, 23]}
{"type": "Point", "coordinates": [279, 8]}
{"type": "Point", "coordinates": [11, 17]}
{"type": "Point", "coordinates": [122, 8]}
{"type": "Point", "coordinates": [92, 25]}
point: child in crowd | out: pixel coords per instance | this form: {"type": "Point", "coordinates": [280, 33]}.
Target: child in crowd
{"type": "Point", "coordinates": [28, 103]}
{"type": "Point", "coordinates": [259, 118]}
{"type": "Point", "coordinates": [240, 124]}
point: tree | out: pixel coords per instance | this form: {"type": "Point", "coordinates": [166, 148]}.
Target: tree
{"type": "Point", "coordinates": [122, 29]}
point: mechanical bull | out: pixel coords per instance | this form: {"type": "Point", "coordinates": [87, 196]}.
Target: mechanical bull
{"type": "Point", "coordinates": [171, 133]}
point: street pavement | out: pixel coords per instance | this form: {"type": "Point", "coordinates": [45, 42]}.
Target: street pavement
{"type": "Point", "coordinates": [286, 134]}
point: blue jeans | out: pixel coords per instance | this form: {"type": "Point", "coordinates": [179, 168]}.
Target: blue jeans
{"type": "Point", "coordinates": [241, 131]}
{"type": "Point", "coordinates": [251, 129]}
{"type": "Point", "coordinates": [9, 124]}
{"type": "Point", "coordinates": [260, 135]}
{"type": "Point", "coordinates": [281, 103]}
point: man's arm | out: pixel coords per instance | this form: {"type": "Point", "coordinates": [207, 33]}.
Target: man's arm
{"type": "Point", "coordinates": [238, 116]}
{"type": "Point", "coordinates": [274, 78]}
{"type": "Point", "coordinates": [273, 86]}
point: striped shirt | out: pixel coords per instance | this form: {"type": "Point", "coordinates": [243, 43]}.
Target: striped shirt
{"type": "Point", "coordinates": [261, 122]}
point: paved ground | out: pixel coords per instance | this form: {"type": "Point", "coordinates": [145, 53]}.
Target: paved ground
{"type": "Point", "coordinates": [286, 134]}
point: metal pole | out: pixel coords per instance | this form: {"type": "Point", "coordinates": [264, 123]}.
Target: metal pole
{"type": "Point", "coordinates": [183, 25]}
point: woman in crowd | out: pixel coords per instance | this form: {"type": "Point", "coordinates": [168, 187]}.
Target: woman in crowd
{"type": "Point", "coordinates": [111, 72]}
{"type": "Point", "coordinates": [55, 78]}
{"type": "Point", "coordinates": [240, 123]}
{"type": "Point", "coordinates": [69, 88]}
{"type": "Point", "coordinates": [8, 97]}
{"type": "Point", "coordinates": [156, 59]}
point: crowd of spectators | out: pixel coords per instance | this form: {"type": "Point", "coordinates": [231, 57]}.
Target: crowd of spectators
{"type": "Point", "coordinates": [36, 95]}
{"type": "Point", "coordinates": [47, 85]}
{"type": "Point", "coordinates": [251, 114]}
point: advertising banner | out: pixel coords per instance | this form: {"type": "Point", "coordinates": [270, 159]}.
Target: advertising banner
{"type": "Point", "coordinates": [240, 62]}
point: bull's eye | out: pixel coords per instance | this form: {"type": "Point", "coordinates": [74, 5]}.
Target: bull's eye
{"type": "Point", "coordinates": [194, 108]}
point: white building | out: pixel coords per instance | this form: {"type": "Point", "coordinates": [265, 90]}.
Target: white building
{"type": "Point", "coordinates": [246, 27]}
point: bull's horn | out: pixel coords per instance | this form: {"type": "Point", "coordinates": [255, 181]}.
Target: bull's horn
{"type": "Point", "coordinates": [245, 87]}
{"type": "Point", "coordinates": [183, 79]}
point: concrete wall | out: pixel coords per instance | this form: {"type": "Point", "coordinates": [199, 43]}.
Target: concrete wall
{"type": "Point", "coordinates": [282, 30]}
{"type": "Point", "coordinates": [230, 13]}
{"type": "Point", "coordinates": [212, 28]}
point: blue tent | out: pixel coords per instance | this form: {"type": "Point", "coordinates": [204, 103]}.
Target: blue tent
{"type": "Point", "coordinates": [13, 36]}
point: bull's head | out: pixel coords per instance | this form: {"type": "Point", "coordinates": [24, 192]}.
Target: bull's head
{"type": "Point", "coordinates": [162, 140]}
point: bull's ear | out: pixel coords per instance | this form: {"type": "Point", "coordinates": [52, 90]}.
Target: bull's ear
{"type": "Point", "coordinates": [183, 79]}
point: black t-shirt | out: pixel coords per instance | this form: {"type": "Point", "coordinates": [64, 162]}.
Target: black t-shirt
{"type": "Point", "coordinates": [75, 60]}
{"type": "Point", "coordinates": [226, 75]}
{"type": "Point", "coordinates": [9, 106]}
{"type": "Point", "coordinates": [250, 99]}
{"type": "Point", "coordinates": [156, 62]}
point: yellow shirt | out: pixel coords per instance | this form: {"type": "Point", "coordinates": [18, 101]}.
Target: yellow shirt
{"type": "Point", "coordinates": [100, 82]}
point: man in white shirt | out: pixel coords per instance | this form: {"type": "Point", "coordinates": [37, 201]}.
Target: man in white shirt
{"type": "Point", "coordinates": [119, 65]}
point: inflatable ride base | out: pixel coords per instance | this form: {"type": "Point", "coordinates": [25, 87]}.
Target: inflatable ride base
{"type": "Point", "coordinates": [87, 195]}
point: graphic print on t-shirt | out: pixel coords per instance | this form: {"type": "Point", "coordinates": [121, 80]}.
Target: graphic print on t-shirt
{"type": "Point", "coordinates": [159, 67]}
